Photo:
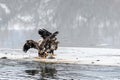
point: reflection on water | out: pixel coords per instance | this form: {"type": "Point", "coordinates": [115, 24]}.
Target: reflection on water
{"type": "Point", "coordinates": [48, 72]}
{"type": "Point", "coordinates": [29, 70]}
{"type": "Point", "coordinates": [32, 72]}
{"type": "Point", "coordinates": [44, 71]}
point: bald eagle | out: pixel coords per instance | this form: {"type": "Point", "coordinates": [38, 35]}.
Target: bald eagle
{"type": "Point", "coordinates": [45, 46]}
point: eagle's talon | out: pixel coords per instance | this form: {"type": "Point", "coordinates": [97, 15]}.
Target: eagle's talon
{"type": "Point", "coordinates": [54, 54]}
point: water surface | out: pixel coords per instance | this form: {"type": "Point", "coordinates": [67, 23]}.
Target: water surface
{"type": "Point", "coordinates": [30, 70]}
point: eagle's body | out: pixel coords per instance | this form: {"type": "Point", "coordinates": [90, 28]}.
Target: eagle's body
{"type": "Point", "coordinates": [45, 46]}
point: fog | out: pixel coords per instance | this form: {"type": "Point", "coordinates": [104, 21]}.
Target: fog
{"type": "Point", "coordinates": [81, 23]}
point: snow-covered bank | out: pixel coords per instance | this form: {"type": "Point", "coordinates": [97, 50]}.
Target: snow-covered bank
{"type": "Point", "coordinates": [91, 56]}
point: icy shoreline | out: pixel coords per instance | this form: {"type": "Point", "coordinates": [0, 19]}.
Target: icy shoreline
{"type": "Point", "coordinates": [90, 56]}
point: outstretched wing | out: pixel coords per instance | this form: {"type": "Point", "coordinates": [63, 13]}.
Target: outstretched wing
{"type": "Point", "coordinates": [26, 47]}
{"type": "Point", "coordinates": [54, 34]}
{"type": "Point", "coordinates": [49, 40]}
{"type": "Point", "coordinates": [44, 33]}
{"type": "Point", "coordinates": [30, 44]}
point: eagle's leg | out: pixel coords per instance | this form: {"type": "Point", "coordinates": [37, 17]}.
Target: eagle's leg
{"type": "Point", "coordinates": [52, 53]}
{"type": "Point", "coordinates": [45, 54]}
{"type": "Point", "coordinates": [39, 54]}
{"type": "Point", "coordinates": [42, 54]}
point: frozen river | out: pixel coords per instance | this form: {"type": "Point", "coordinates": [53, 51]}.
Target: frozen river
{"type": "Point", "coordinates": [81, 23]}
{"type": "Point", "coordinates": [15, 68]}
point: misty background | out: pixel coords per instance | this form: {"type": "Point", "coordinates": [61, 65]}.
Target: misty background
{"type": "Point", "coordinates": [81, 23]}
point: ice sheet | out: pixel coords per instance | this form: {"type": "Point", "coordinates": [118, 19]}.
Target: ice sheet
{"type": "Point", "coordinates": [76, 55]}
